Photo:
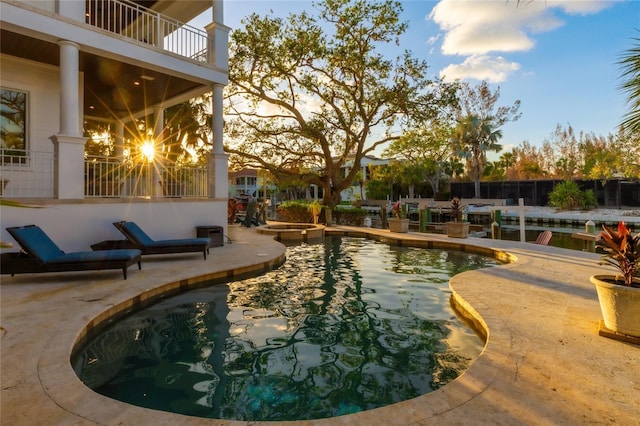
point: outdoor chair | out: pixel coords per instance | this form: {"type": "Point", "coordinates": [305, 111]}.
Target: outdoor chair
{"type": "Point", "coordinates": [41, 254]}
{"type": "Point", "coordinates": [544, 238]}
{"type": "Point", "coordinates": [147, 245]}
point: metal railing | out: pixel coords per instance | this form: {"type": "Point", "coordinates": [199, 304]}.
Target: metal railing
{"type": "Point", "coordinates": [142, 24]}
{"type": "Point", "coordinates": [30, 174]}
{"type": "Point", "coordinates": [108, 177]}
{"type": "Point", "coordinates": [26, 174]}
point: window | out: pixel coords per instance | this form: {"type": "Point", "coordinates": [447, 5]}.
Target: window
{"type": "Point", "coordinates": [13, 125]}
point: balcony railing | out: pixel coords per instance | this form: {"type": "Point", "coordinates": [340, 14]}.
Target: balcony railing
{"type": "Point", "coordinates": [139, 23]}
{"type": "Point", "coordinates": [30, 174]}
{"type": "Point", "coordinates": [108, 177]}
{"type": "Point", "coordinates": [26, 174]}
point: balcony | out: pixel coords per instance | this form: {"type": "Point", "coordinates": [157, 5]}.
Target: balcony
{"type": "Point", "coordinates": [141, 24]}
{"type": "Point", "coordinates": [26, 174]}
{"type": "Point", "coordinates": [30, 174]}
{"type": "Point", "coordinates": [108, 177]}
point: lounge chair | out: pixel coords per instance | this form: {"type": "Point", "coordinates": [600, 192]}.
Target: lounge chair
{"type": "Point", "coordinates": [544, 238]}
{"type": "Point", "coordinates": [41, 254]}
{"type": "Point", "coordinates": [147, 245]}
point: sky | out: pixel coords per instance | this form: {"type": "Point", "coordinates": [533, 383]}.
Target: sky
{"type": "Point", "coordinates": [558, 57]}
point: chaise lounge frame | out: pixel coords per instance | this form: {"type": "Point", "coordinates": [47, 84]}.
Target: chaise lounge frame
{"type": "Point", "coordinates": [143, 242]}
{"type": "Point", "coordinates": [40, 254]}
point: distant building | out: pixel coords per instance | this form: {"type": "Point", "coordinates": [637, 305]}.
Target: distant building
{"type": "Point", "coordinates": [358, 190]}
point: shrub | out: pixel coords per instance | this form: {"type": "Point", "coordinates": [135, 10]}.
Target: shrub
{"type": "Point", "coordinates": [352, 217]}
{"type": "Point", "coordinates": [296, 211]}
{"type": "Point", "coordinates": [568, 196]}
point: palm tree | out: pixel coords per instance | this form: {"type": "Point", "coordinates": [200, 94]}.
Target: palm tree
{"type": "Point", "coordinates": [473, 137]}
{"type": "Point", "coordinates": [507, 160]}
{"type": "Point", "coordinates": [630, 62]}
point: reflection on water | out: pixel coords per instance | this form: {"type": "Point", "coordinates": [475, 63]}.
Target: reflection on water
{"type": "Point", "coordinates": [343, 326]}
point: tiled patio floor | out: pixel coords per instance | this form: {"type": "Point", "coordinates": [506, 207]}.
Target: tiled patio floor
{"type": "Point", "coordinates": [544, 362]}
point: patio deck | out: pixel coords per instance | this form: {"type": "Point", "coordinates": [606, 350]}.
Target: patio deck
{"type": "Point", "coordinates": [544, 362]}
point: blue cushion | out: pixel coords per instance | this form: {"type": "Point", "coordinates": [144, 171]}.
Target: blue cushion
{"type": "Point", "coordinates": [137, 234]}
{"type": "Point", "coordinates": [96, 256]}
{"type": "Point", "coordinates": [35, 242]}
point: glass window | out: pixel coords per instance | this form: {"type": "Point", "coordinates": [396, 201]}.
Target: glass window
{"type": "Point", "coordinates": [13, 122]}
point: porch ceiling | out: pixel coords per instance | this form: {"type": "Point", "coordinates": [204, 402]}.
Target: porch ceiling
{"type": "Point", "coordinates": [113, 89]}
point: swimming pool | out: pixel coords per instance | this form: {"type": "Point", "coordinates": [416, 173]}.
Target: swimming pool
{"type": "Point", "coordinates": [344, 326]}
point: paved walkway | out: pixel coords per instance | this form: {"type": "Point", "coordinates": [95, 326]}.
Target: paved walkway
{"type": "Point", "coordinates": [544, 362]}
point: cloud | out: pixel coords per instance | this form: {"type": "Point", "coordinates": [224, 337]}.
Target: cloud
{"type": "Point", "coordinates": [479, 27]}
{"type": "Point", "coordinates": [481, 67]}
{"type": "Point", "coordinates": [476, 28]}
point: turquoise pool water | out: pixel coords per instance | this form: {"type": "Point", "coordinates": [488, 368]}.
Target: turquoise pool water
{"type": "Point", "coordinates": [343, 326]}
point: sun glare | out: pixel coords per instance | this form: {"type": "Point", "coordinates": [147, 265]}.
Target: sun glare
{"type": "Point", "coordinates": [148, 150]}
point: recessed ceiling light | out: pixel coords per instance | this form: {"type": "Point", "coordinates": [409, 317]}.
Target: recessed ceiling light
{"type": "Point", "coordinates": [147, 77]}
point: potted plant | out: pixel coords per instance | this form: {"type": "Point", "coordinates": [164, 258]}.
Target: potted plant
{"type": "Point", "coordinates": [399, 223]}
{"type": "Point", "coordinates": [233, 207]}
{"type": "Point", "coordinates": [457, 228]}
{"type": "Point", "coordinates": [619, 294]}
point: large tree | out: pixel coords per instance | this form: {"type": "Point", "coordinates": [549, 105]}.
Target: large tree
{"type": "Point", "coordinates": [311, 94]}
{"type": "Point", "coordinates": [474, 136]}
{"type": "Point", "coordinates": [478, 130]}
{"type": "Point", "coordinates": [427, 149]}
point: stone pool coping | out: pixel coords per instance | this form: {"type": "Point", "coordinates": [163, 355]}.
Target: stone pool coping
{"type": "Point", "coordinates": [293, 232]}
{"type": "Point", "coordinates": [543, 363]}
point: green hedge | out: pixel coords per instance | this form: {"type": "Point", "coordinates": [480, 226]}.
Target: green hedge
{"type": "Point", "coordinates": [297, 211]}
{"type": "Point", "coordinates": [351, 217]}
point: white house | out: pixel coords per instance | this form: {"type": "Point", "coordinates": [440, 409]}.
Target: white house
{"type": "Point", "coordinates": [63, 62]}
{"type": "Point", "coordinates": [357, 190]}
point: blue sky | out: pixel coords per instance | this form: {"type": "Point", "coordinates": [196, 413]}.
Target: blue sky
{"type": "Point", "coordinates": [558, 57]}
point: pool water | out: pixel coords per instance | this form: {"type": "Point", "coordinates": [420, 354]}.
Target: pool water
{"type": "Point", "coordinates": [343, 326]}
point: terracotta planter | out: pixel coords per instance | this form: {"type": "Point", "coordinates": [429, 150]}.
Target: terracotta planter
{"type": "Point", "coordinates": [620, 305]}
{"type": "Point", "coordinates": [399, 225]}
{"type": "Point", "coordinates": [457, 229]}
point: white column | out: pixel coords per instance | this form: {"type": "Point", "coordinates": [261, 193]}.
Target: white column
{"type": "Point", "coordinates": [217, 11]}
{"type": "Point", "coordinates": [217, 123]}
{"type": "Point", "coordinates": [119, 140]}
{"type": "Point", "coordinates": [69, 142]}
{"type": "Point", "coordinates": [218, 38]}
{"type": "Point", "coordinates": [521, 217]}
{"type": "Point", "coordinates": [119, 154]}
{"type": "Point", "coordinates": [218, 56]}
{"type": "Point", "coordinates": [157, 166]}
{"type": "Point", "coordinates": [218, 161]}
{"type": "Point", "coordinates": [69, 89]}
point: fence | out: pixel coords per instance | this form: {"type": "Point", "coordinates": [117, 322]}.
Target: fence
{"type": "Point", "coordinates": [26, 174]}
{"type": "Point", "coordinates": [142, 24]}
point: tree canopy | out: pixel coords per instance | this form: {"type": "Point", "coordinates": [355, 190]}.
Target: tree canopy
{"type": "Point", "coordinates": [428, 150]}
{"type": "Point", "coordinates": [311, 95]}
{"type": "Point", "coordinates": [630, 65]}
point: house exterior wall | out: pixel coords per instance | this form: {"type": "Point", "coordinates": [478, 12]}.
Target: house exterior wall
{"type": "Point", "coordinates": [355, 192]}
{"type": "Point", "coordinates": [48, 5]}
{"type": "Point", "coordinates": [42, 83]}
{"type": "Point", "coordinates": [75, 223]}
{"type": "Point", "coordinates": [74, 227]}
